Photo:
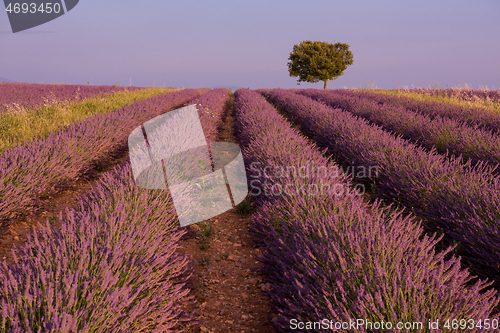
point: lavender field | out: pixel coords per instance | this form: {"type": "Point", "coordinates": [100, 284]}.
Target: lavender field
{"type": "Point", "coordinates": [364, 206]}
{"type": "Point", "coordinates": [16, 96]}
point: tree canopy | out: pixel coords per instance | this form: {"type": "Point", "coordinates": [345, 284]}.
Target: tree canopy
{"type": "Point", "coordinates": [319, 61]}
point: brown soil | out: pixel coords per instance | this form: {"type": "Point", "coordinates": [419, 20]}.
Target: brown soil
{"type": "Point", "coordinates": [228, 288]}
{"type": "Point", "coordinates": [229, 292]}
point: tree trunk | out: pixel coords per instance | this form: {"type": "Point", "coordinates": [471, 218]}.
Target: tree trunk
{"type": "Point", "coordinates": [325, 84]}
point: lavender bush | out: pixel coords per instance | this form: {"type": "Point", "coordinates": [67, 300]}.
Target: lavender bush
{"type": "Point", "coordinates": [452, 196]}
{"type": "Point", "coordinates": [487, 119]}
{"type": "Point", "coordinates": [44, 167]}
{"type": "Point", "coordinates": [444, 134]}
{"type": "Point", "coordinates": [111, 267]}
{"type": "Point", "coordinates": [463, 94]}
{"type": "Point", "coordinates": [212, 110]}
{"type": "Point", "coordinates": [30, 96]}
{"type": "Point", "coordinates": [335, 256]}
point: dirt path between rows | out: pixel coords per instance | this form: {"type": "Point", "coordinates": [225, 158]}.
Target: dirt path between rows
{"type": "Point", "coordinates": [229, 290]}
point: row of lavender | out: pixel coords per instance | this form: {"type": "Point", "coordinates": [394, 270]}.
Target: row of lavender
{"type": "Point", "coordinates": [112, 266]}
{"type": "Point", "coordinates": [461, 200]}
{"type": "Point", "coordinates": [210, 111]}
{"type": "Point", "coordinates": [487, 119]}
{"type": "Point", "coordinates": [443, 134]}
{"type": "Point", "coordinates": [332, 255]}
{"type": "Point", "coordinates": [46, 166]}
{"type": "Point", "coordinates": [461, 94]}
{"type": "Point", "coordinates": [29, 96]}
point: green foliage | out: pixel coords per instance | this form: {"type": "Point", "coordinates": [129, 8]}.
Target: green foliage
{"type": "Point", "coordinates": [98, 166]}
{"type": "Point", "coordinates": [201, 287]}
{"type": "Point", "coordinates": [244, 207]}
{"type": "Point", "coordinates": [205, 261]}
{"type": "Point", "coordinates": [206, 230]}
{"type": "Point", "coordinates": [52, 220]}
{"type": "Point", "coordinates": [319, 61]}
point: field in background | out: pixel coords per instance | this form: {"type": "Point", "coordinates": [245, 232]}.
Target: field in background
{"type": "Point", "coordinates": [462, 97]}
{"type": "Point", "coordinates": [20, 123]}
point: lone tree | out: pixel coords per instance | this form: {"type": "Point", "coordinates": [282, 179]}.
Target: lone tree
{"type": "Point", "coordinates": [319, 61]}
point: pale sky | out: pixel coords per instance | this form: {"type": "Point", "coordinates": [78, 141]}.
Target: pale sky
{"type": "Point", "coordinates": [247, 43]}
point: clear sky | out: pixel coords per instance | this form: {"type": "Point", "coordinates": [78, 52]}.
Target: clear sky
{"type": "Point", "coordinates": [247, 43]}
